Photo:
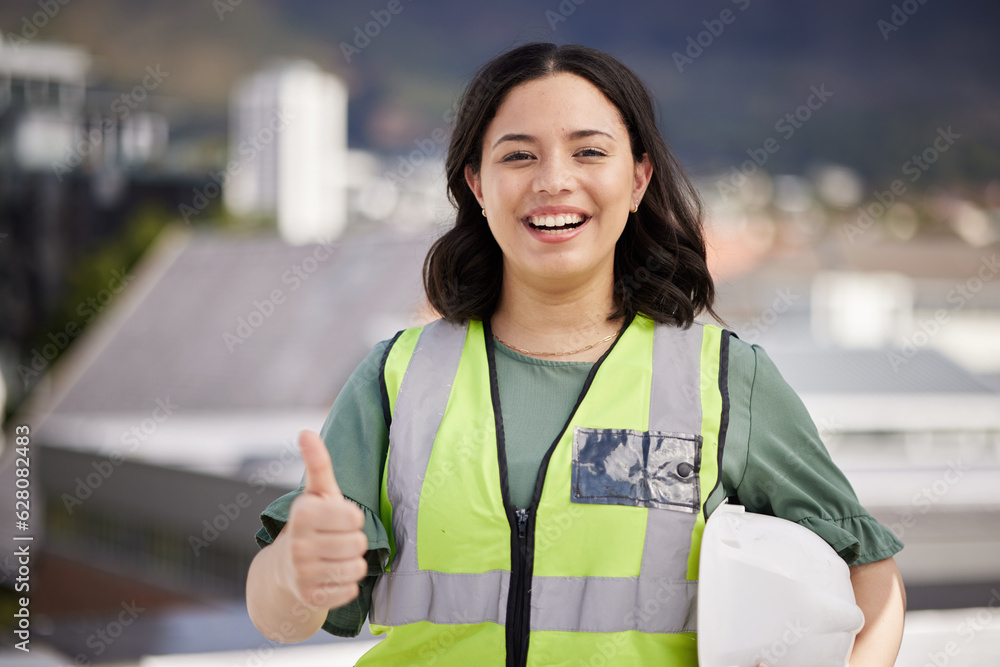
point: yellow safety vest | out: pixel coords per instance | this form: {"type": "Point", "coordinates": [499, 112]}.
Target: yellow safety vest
{"type": "Point", "coordinates": [602, 568]}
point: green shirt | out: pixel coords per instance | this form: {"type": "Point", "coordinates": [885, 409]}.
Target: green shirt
{"type": "Point", "coordinates": [773, 461]}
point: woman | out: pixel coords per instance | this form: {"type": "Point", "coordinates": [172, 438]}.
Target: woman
{"type": "Point", "coordinates": [533, 491]}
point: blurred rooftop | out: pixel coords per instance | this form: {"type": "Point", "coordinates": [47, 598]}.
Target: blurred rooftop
{"type": "Point", "coordinates": [249, 339]}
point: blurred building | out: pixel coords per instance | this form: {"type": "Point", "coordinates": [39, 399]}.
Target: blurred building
{"type": "Point", "coordinates": [42, 98]}
{"type": "Point", "coordinates": [77, 160]}
{"type": "Point", "coordinates": [288, 150]}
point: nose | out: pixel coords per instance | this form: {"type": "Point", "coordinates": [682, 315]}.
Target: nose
{"type": "Point", "coordinates": [554, 175]}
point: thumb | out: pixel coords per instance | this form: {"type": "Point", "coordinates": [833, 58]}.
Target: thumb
{"type": "Point", "coordinates": [319, 468]}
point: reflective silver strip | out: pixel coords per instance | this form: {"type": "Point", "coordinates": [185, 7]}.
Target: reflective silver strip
{"type": "Point", "coordinates": [440, 597]}
{"type": "Point", "coordinates": [674, 406]}
{"type": "Point", "coordinates": [612, 604]}
{"type": "Point", "coordinates": [407, 594]}
{"type": "Point", "coordinates": [676, 380]}
{"type": "Point", "coordinates": [420, 405]}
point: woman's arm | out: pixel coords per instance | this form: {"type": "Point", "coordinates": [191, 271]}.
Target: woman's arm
{"type": "Point", "coordinates": [315, 562]}
{"type": "Point", "coordinates": [878, 590]}
{"type": "Point", "coordinates": [358, 425]}
{"type": "Point", "coordinates": [274, 609]}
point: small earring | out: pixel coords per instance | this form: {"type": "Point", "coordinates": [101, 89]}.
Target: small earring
{"type": "Point", "coordinates": [484, 212]}
{"type": "Point", "coordinates": [635, 206]}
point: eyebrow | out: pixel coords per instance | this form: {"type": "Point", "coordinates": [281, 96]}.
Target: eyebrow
{"type": "Point", "coordinates": [576, 134]}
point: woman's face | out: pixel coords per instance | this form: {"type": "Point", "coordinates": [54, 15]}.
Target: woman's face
{"type": "Point", "coordinates": [557, 180]}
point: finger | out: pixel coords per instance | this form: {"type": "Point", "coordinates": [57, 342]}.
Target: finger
{"type": "Point", "coordinates": [337, 546]}
{"type": "Point", "coordinates": [325, 514]}
{"type": "Point", "coordinates": [326, 534]}
{"type": "Point", "coordinates": [345, 571]}
{"type": "Point", "coordinates": [319, 468]}
{"type": "Point", "coordinates": [333, 595]}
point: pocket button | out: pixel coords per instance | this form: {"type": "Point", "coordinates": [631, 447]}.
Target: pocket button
{"type": "Point", "coordinates": [684, 469]}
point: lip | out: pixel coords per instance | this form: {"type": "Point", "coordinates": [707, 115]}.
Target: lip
{"type": "Point", "coordinates": [546, 237]}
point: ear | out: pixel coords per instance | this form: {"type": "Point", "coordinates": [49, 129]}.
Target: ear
{"type": "Point", "coordinates": [475, 184]}
{"type": "Point", "coordinates": [643, 172]}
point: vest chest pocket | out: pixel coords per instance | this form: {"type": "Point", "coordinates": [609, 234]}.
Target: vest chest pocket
{"type": "Point", "coordinates": [652, 469]}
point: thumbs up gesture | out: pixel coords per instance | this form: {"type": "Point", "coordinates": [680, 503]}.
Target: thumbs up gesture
{"type": "Point", "coordinates": [324, 541]}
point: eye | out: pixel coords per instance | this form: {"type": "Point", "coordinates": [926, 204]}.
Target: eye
{"type": "Point", "coordinates": [519, 155]}
{"type": "Point", "coordinates": [592, 152]}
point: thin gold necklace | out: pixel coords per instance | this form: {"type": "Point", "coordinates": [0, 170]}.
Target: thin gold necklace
{"type": "Point", "coordinates": [557, 354]}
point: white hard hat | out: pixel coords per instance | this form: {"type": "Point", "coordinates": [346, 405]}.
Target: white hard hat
{"type": "Point", "coordinates": [772, 591]}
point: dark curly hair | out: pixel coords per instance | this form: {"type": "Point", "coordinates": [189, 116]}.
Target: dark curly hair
{"type": "Point", "coordinates": [660, 266]}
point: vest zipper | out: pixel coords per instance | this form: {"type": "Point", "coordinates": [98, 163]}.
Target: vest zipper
{"type": "Point", "coordinates": [518, 625]}
{"type": "Point", "coordinates": [522, 528]}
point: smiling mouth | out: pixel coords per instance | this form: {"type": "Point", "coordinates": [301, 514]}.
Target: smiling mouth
{"type": "Point", "coordinates": [555, 224]}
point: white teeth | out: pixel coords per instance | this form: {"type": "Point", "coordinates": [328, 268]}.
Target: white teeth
{"type": "Point", "coordinates": [560, 220]}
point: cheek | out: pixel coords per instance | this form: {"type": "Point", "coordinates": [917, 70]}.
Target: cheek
{"type": "Point", "coordinates": [616, 186]}
{"type": "Point", "coordinates": [497, 190]}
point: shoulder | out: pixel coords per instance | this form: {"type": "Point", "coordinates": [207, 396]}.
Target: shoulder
{"type": "Point", "coordinates": [740, 358]}
{"type": "Point", "coordinates": [755, 383]}
{"type": "Point", "coordinates": [394, 356]}
{"type": "Point", "coordinates": [436, 335]}
{"type": "Point", "coordinates": [399, 345]}
{"type": "Point", "coordinates": [750, 364]}
{"type": "Point", "coordinates": [742, 361]}
{"type": "Point", "coordinates": [367, 372]}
